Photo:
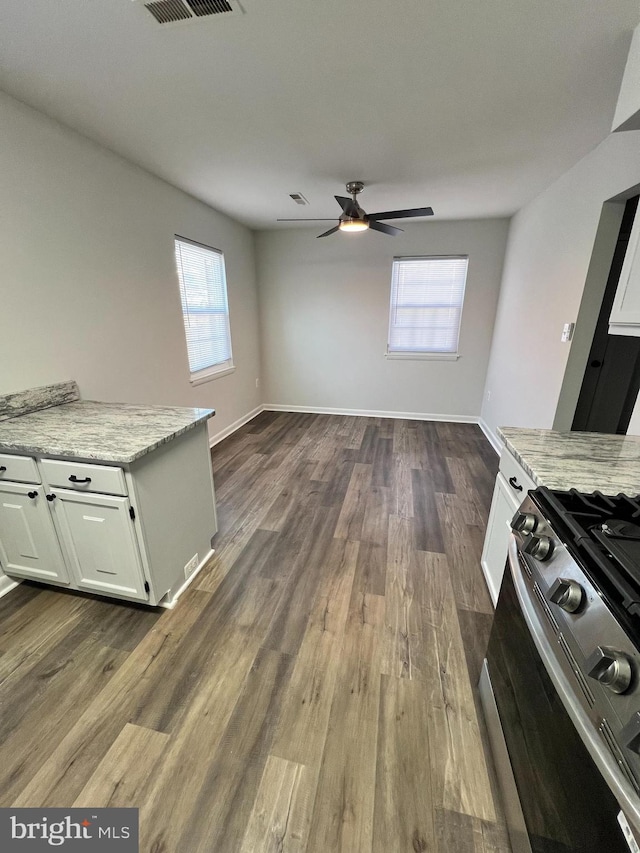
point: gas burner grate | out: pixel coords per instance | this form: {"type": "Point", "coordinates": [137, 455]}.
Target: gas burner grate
{"type": "Point", "coordinates": [597, 530]}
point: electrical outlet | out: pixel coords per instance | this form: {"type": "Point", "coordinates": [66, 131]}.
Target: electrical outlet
{"type": "Point", "coordinates": [567, 332]}
{"type": "Point", "coordinates": [488, 396]}
{"type": "Point", "coordinates": [191, 566]}
{"type": "Point", "coordinates": [257, 383]}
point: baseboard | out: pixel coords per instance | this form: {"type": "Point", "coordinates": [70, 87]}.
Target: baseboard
{"type": "Point", "coordinates": [359, 413]}
{"type": "Point", "coordinates": [372, 413]}
{"type": "Point", "coordinates": [7, 584]}
{"type": "Point", "coordinates": [225, 433]}
{"type": "Point", "coordinates": [494, 441]}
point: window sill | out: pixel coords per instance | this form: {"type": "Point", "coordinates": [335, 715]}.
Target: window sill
{"type": "Point", "coordinates": [201, 378]}
{"type": "Point", "coordinates": [423, 356]}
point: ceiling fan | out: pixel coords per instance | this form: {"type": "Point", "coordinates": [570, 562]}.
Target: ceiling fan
{"type": "Point", "coordinates": [353, 218]}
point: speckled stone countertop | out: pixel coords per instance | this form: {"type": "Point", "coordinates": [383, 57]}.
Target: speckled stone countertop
{"type": "Point", "coordinates": [587, 461]}
{"type": "Point", "coordinates": [105, 432]}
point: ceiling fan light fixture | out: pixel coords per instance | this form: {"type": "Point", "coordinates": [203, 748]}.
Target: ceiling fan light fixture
{"type": "Point", "coordinates": [352, 225]}
{"type": "Point", "coordinates": [353, 218]}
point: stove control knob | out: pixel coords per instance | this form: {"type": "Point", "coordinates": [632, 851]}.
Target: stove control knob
{"type": "Point", "coordinates": [611, 668]}
{"type": "Point", "coordinates": [630, 734]}
{"type": "Point", "coordinates": [524, 522]}
{"type": "Point", "coordinates": [540, 547]}
{"type": "Point", "coordinates": [567, 594]}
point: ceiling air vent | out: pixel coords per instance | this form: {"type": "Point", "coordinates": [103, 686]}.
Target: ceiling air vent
{"type": "Point", "coordinates": [209, 7]}
{"type": "Point", "coordinates": [298, 198]}
{"type": "Point", "coordinates": [167, 11]}
{"type": "Point", "coordinates": [170, 11]}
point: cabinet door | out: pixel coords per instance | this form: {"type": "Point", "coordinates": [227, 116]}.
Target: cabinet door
{"type": "Point", "coordinates": [29, 547]}
{"type": "Point", "coordinates": [494, 554]}
{"type": "Point", "coordinates": [99, 537]}
{"type": "Point", "coordinates": [626, 306]}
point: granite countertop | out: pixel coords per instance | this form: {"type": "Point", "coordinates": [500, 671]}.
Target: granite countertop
{"type": "Point", "coordinates": [587, 461]}
{"type": "Point", "coordinates": [105, 432]}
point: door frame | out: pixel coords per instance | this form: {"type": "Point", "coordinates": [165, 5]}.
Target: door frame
{"type": "Point", "coordinates": [595, 285]}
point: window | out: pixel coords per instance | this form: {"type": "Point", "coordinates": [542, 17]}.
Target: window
{"type": "Point", "coordinates": [426, 306]}
{"type": "Point", "coordinates": [203, 291]}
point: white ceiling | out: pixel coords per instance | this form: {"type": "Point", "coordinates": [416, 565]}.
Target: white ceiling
{"type": "Point", "coordinates": [471, 106]}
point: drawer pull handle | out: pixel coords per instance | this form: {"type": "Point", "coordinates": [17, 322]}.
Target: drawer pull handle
{"type": "Point", "coordinates": [515, 484]}
{"type": "Point", "coordinates": [51, 497]}
{"type": "Point", "coordinates": [3, 468]}
{"type": "Point", "coordinates": [32, 495]}
{"type": "Point", "coordinates": [75, 479]}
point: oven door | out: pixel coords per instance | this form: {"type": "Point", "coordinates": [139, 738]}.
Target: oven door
{"type": "Point", "coordinates": [555, 798]}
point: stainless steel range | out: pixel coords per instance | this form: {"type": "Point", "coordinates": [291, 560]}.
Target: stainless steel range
{"type": "Point", "coordinates": [561, 682]}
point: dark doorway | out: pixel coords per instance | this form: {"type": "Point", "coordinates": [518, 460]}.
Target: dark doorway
{"type": "Point", "coordinates": [612, 377]}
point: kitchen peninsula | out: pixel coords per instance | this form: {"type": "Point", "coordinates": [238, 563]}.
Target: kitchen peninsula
{"type": "Point", "coordinates": [108, 498]}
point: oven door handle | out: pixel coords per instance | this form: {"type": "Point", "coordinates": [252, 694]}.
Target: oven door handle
{"type": "Point", "coordinates": [590, 736]}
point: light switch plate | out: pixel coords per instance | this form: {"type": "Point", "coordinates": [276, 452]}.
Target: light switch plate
{"type": "Point", "coordinates": [567, 332]}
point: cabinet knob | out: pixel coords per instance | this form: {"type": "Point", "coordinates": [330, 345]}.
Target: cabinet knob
{"type": "Point", "coordinates": [3, 468]}
{"type": "Point", "coordinates": [32, 495]}
{"type": "Point", "coordinates": [51, 497]}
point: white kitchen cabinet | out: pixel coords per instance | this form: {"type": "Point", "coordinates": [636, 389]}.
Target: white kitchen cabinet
{"type": "Point", "coordinates": [139, 531]}
{"type": "Point", "coordinates": [512, 485]}
{"type": "Point", "coordinates": [494, 553]}
{"type": "Point", "coordinates": [627, 114]}
{"type": "Point", "coordinates": [100, 542]}
{"type": "Point", "coordinates": [29, 546]}
{"type": "Point", "coordinates": [625, 314]}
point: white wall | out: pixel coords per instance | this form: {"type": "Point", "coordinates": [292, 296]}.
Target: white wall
{"type": "Point", "coordinates": [324, 309]}
{"type": "Point", "coordinates": [88, 288]}
{"type": "Point", "coordinates": [551, 241]}
{"type": "Point", "coordinates": [634, 423]}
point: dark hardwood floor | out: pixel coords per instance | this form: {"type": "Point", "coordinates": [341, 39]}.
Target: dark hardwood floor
{"type": "Point", "coordinates": [314, 689]}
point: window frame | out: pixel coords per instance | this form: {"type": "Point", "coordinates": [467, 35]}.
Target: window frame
{"type": "Point", "coordinates": [425, 355]}
{"type": "Point", "coordinates": [222, 368]}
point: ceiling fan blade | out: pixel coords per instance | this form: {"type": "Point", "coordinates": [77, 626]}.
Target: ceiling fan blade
{"type": "Point", "coordinates": [385, 229]}
{"type": "Point", "coordinates": [319, 219]}
{"type": "Point", "coordinates": [402, 214]}
{"type": "Point", "coordinates": [348, 205]}
{"type": "Point", "coordinates": [330, 231]}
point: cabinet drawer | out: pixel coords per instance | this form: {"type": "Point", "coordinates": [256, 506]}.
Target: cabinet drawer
{"type": "Point", "coordinates": [23, 469]}
{"type": "Point", "coordinates": [515, 476]}
{"type": "Point", "coordinates": [84, 477]}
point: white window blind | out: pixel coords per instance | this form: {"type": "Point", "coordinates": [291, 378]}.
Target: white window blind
{"type": "Point", "coordinates": [426, 304]}
{"type": "Point", "coordinates": [203, 290]}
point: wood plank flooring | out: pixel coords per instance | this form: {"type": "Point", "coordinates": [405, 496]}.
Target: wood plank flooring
{"type": "Point", "coordinates": [314, 689]}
